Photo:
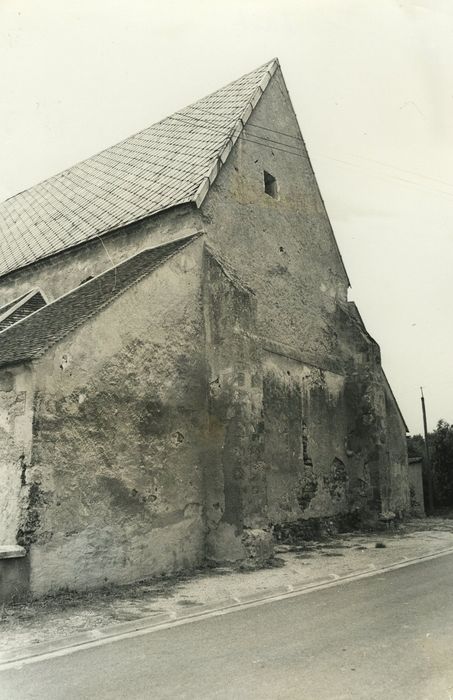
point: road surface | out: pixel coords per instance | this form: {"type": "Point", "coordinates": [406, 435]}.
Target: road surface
{"type": "Point", "coordinates": [389, 636]}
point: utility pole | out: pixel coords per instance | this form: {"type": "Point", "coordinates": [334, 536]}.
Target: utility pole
{"type": "Point", "coordinates": [428, 461]}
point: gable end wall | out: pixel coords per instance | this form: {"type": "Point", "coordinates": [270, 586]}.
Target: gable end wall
{"type": "Point", "coordinates": [282, 248]}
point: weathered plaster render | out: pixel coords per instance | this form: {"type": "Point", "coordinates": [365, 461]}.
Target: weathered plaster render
{"type": "Point", "coordinates": [118, 414]}
{"type": "Point", "coordinates": [231, 395]}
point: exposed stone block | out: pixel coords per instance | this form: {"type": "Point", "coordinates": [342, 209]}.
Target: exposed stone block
{"type": "Point", "coordinates": [259, 547]}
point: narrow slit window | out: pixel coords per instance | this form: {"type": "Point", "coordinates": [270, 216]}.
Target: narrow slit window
{"type": "Point", "coordinates": [270, 185]}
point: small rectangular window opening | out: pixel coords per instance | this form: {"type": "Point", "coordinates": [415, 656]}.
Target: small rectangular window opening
{"type": "Point", "coordinates": [270, 185]}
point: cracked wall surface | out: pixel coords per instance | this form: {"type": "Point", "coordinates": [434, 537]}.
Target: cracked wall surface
{"type": "Point", "coordinates": [115, 483]}
{"type": "Point", "coordinates": [332, 437]}
{"type": "Point", "coordinates": [232, 393]}
{"type": "Point", "coordinates": [235, 478]}
{"type": "Point", "coordinates": [16, 410]}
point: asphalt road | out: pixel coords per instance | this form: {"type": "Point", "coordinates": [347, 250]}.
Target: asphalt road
{"type": "Point", "coordinates": [389, 636]}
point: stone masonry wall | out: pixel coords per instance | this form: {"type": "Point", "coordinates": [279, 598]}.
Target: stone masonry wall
{"type": "Point", "coordinates": [416, 487]}
{"type": "Point", "coordinates": [16, 404]}
{"type": "Point", "coordinates": [287, 441]}
{"type": "Point", "coordinates": [64, 271]}
{"type": "Point", "coordinates": [305, 423]}
{"type": "Point", "coordinates": [115, 481]}
{"type": "Point", "coordinates": [282, 247]}
{"type": "Point", "coordinates": [235, 480]}
{"type": "Point", "coordinates": [399, 488]}
{"type": "Point", "coordinates": [322, 383]}
{"type": "Point", "coordinates": [201, 408]}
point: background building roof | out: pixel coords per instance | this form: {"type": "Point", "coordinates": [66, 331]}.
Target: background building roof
{"type": "Point", "coordinates": [172, 162]}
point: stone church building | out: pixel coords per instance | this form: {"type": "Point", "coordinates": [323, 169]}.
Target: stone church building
{"type": "Point", "coordinates": [181, 372]}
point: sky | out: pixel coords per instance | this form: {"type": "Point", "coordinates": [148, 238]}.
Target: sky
{"type": "Point", "coordinates": [371, 84]}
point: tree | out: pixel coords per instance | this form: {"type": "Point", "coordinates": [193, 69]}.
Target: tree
{"type": "Point", "coordinates": [441, 453]}
{"type": "Point", "coordinates": [440, 443]}
{"type": "Point", "coordinates": [415, 446]}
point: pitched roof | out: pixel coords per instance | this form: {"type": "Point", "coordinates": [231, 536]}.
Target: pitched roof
{"type": "Point", "coordinates": [389, 389]}
{"type": "Point", "coordinates": [172, 162]}
{"type": "Point", "coordinates": [30, 337]}
{"type": "Point", "coordinates": [21, 307]}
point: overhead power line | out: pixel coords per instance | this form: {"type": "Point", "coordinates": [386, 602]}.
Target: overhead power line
{"type": "Point", "coordinates": [388, 176]}
{"type": "Point", "coordinates": [273, 148]}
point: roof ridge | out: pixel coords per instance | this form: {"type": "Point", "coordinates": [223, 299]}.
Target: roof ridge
{"type": "Point", "coordinates": [168, 164]}
{"type": "Point", "coordinates": [136, 133]}
{"type": "Point", "coordinates": [236, 131]}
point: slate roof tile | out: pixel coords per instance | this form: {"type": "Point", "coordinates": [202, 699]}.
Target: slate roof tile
{"type": "Point", "coordinates": [21, 307]}
{"type": "Point", "coordinates": [29, 338]}
{"type": "Point", "coordinates": [162, 166]}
